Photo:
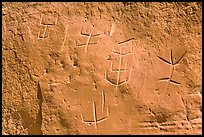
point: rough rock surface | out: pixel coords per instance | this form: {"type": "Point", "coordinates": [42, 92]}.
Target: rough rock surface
{"type": "Point", "coordinates": [101, 68]}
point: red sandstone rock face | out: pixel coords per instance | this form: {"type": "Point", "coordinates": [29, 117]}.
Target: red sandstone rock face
{"type": "Point", "coordinates": [101, 68]}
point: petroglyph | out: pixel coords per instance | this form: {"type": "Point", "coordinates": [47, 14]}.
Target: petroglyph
{"type": "Point", "coordinates": [45, 23]}
{"type": "Point", "coordinates": [103, 101]}
{"type": "Point", "coordinates": [172, 67]}
{"type": "Point", "coordinates": [91, 35]}
{"type": "Point", "coordinates": [95, 121]}
{"type": "Point", "coordinates": [119, 70]}
{"type": "Point", "coordinates": [117, 83]}
{"type": "Point", "coordinates": [120, 53]}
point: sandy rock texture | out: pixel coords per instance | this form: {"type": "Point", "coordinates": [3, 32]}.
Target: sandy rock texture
{"type": "Point", "coordinates": [101, 68]}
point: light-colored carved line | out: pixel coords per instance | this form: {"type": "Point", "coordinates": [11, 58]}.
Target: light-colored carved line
{"type": "Point", "coordinates": [56, 21]}
{"type": "Point", "coordinates": [40, 25]}
{"type": "Point", "coordinates": [195, 94]}
{"type": "Point", "coordinates": [96, 35]}
{"type": "Point", "coordinates": [108, 80]}
{"type": "Point", "coordinates": [170, 76]}
{"type": "Point", "coordinates": [125, 54]}
{"type": "Point", "coordinates": [101, 120]}
{"type": "Point", "coordinates": [115, 52]}
{"type": "Point", "coordinates": [91, 43]}
{"type": "Point", "coordinates": [117, 70]}
{"type": "Point", "coordinates": [103, 100]}
{"type": "Point", "coordinates": [130, 74]}
{"type": "Point", "coordinates": [39, 35]}
{"type": "Point", "coordinates": [174, 82]}
{"type": "Point", "coordinates": [108, 111]}
{"type": "Point", "coordinates": [84, 34]}
{"type": "Point", "coordinates": [43, 33]}
{"type": "Point", "coordinates": [172, 67]}
{"type": "Point", "coordinates": [95, 116]}
{"type": "Point", "coordinates": [54, 84]}
{"type": "Point", "coordinates": [122, 54]}
{"type": "Point", "coordinates": [130, 50]}
{"type": "Point", "coordinates": [86, 122]}
{"type": "Point", "coordinates": [82, 118]}
{"type": "Point", "coordinates": [87, 43]}
{"type": "Point", "coordinates": [171, 73]}
{"type": "Point", "coordinates": [125, 41]}
{"type": "Point", "coordinates": [80, 45]}
{"type": "Point", "coordinates": [118, 82]}
{"type": "Point", "coordinates": [163, 79]}
{"type": "Point", "coordinates": [165, 61]}
{"type": "Point", "coordinates": [113, 47]}
{"type": "Point", "coordinates": [125, 66]}
{"type": "Point", "coordinates": [128, 79]}
{"type": "Point", "coordinates": [171, 59]}
{"type": "Point", "coordinates": [112, 29]}
{"type": "Point", "coordinates": [65, 37]}
{"type": "Point", "coordinates": [180, 58]}
{"type": "Point", "coordinates": [88, 35]}
{"type": "Point", "coordinates": [95, 121]}
{"type": "Point", "coordinates": [120, 63]}
{"type": "Point", "coordinates": [46, 26]}
{"type": "Point", "coordinates": [88, 40]}
{"type": "Point", "coordinates": [169, 81]}
{"type": "Point", "coordinates": [121, 70]}
{"type": "Point", "coordinates": [49, 24]}
{"type": "Point", "coordinates": [123, 82]}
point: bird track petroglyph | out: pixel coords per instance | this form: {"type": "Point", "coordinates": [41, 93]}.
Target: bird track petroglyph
{"type": "Point", "coordinates": [172, 67]}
